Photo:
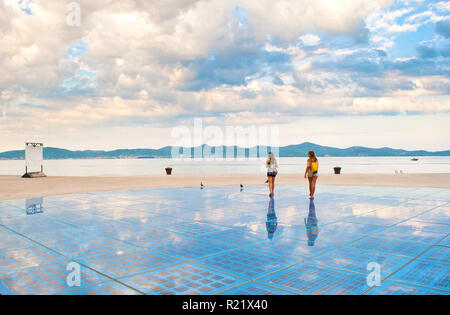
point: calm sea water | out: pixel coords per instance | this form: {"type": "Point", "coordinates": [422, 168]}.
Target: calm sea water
{"type": "Point", "coordinates": [355, 165]}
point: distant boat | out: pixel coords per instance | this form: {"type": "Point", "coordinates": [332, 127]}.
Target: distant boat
{"type": "Point", "coordinates": [414, 159]}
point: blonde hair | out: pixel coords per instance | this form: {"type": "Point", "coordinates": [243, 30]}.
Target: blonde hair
{"type": "Point", "coordinates": [312, 156]}
{"type": "Point", "coordinates": [273, 158]}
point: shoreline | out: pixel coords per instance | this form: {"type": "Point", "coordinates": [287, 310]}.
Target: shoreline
{"type": "Point", "coordinates": [15, 187]}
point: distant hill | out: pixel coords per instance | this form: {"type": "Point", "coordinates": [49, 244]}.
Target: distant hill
{"type": "Point", "coordinates": [299, 150]}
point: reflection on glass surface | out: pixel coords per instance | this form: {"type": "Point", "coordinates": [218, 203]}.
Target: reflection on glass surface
{"type": "Point", "coordinates": [311, 223]}
{"type": "Point", "coordinates": [272, 220]}
{"type": "Point", "coordinates": [34, 206]}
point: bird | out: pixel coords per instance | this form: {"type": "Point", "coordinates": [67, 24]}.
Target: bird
{"type": "Point", "coordinates": [242, 187]}
{"type": "Point", "coordinates": [202, 186]}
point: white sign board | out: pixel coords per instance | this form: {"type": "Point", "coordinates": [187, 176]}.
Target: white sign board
{"type": "Point", "coordinates": [34, 158]}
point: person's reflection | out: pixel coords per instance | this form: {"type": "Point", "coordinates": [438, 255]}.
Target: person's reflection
{"type": "Point", "coordinates": [311, 223]}
{"type": "Point", "coordinates": [272, 220]}
{"type": "Point", "coordinates": [34, 206]}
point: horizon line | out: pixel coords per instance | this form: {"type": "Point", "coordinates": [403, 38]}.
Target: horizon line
{"type": "Point", "coordinates": [225, 146]}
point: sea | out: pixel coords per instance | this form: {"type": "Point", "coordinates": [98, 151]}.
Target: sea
{"type": "Point", "coordinates": [131, 167]}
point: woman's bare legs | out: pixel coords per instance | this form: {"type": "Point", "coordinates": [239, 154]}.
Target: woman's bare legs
{"type": "Point", "coordinates": [271, 184]}
{"type": "Point", "coordinates": [310, 186]}
{"type": "Point", "coordinates": [313, 186]}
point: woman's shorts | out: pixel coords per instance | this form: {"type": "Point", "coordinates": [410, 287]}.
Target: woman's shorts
{"type": "Point", "coordinates": [271, 174]}
{"type": "Point", "coordinates": [311, 174]}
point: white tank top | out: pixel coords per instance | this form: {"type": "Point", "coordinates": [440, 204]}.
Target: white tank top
{"type": "Point", "coordinates": [272, 167]}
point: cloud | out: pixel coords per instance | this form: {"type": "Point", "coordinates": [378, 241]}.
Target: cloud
{"type": "Point", "coordinates": [387, 22]}
{"type": "Point", "coordinates": [442, 6]}
{"type": "Point", "coordinates": [310, 40]}
{"type": "Point", "coordinates": [138, 62]}
{"type": "Point", "coordinates": [289, 19]}
{"type": "Point", "coordinates": [443, 28]}
{"type": "Point", "coordinates": [427, 52]}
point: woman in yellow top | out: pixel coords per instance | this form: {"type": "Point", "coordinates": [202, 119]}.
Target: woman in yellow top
{"type": "Point", "coordinates": [312, 170]}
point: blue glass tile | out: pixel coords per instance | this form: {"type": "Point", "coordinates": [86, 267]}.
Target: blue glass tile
{"type": "Point", "coordinates": [108, 288]}
{"type": "Point", "coordinates": [10, 240]}
{"type": "Point", "coordinates": [309, 279]}
{"type": "Point", "coordinates": [13, 260]}
{"type": "Point", "coordinates": [426, 226]}
{"type": "Point", "coordinates": [352, 228]}
{"type": "Point", "coordinates": [185, 279]}
{"type": "Point", "coordinates": [314, 233]}
{"type": "Point", "coordinates": [194, 228]}
{"type": "Point", "coordinates": [19, 203]}
{"type": "Point", "coordinates": [107, 227]}
{"type": "Point", "coordinates": [216, 240]}
{"type": "Point", "coordinates": [299, 249]}
{"type": "Point", "coordinates": [437, 254]}
{"type": "Point", "coordinates": [426, 274]}
{"type": "Point", "coordinates": [445, 242]}
{"type": "Point", "coordinates": [92, 247]}
{"type": "Point", "coordinates": [433, 196]}
{"type": "Point", "coordinates": [8, 211]}
{"type": "Point", "coordinates": [45, 280]}
{"type": "Point", "coordinates": [390, 246]}
{"type": "Point", "coordinates": [432, 217]}
{"type": "Point", "coordinates": [192, 248]}
{"type": "Point", "coordinates": [49, 237]}
{"type": "Point", "coordinates": [120, 265]}
{"type": "Point", "coordinates": [253, 288]}
{"type": "Point", "coordinates": [148, 223]}
{"type": "Point", "coordinates": [408, 234]}
{"type": "Point", "coordinates": [397, 288]}
{"type": "Point", "coordinates": [236, 237]}
{"type": "Point", "coordinates": [246, 263]}
{"type": "Point", "coordinates": [385, 222]}
{"type": "Point", "coordinates": [33, 224]}
{"type": "Point", "coordinates": [358, 261]}
{"type": "Point", "coordinates": [148, 238]}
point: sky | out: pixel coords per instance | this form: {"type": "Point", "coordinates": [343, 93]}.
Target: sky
{"type": "Point", "coordinates": [335, 72]}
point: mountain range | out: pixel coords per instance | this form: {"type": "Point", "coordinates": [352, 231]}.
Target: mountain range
{"type": "Point", "coordinates": [299, 150]}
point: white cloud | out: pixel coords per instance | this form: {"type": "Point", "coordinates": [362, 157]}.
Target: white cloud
{"type": "Point", "coordinates": [391, 104]}
{"type": "Point", "coordinates": [385, 22]}
{"type": "Point", "coordinates": [286, 19]}
{"type": "Point", "coordinates": [151, 39]}
{"type": "Point", "coordinates": [144, 54]}
{"type": "Point", "coordinates": [310, 40]}
{"type": "Point", "coordinates": [441, 6]}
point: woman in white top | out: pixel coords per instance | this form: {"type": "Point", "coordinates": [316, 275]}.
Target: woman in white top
{"type": "Point", "coordinates": [272, 171]}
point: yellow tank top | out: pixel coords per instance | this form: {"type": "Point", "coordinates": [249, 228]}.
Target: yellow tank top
{"type": "Point", "coordinates": [314, 167]}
